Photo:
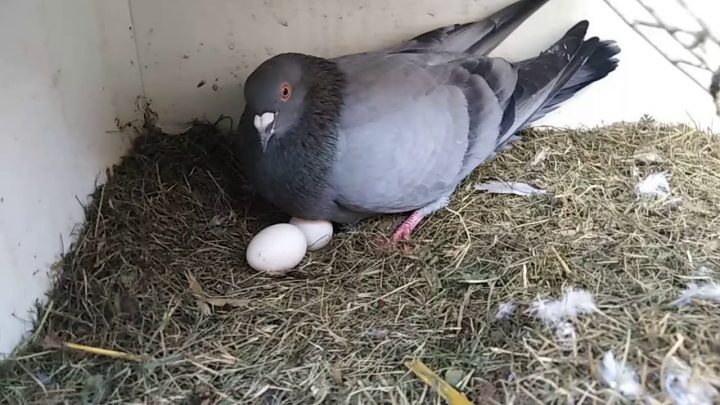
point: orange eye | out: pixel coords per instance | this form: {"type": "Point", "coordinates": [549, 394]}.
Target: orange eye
{"type": "Point", "coordinates": [285, 91]}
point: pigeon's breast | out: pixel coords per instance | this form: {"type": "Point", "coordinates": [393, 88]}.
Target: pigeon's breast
{"type": "Point", "coordinates": [405, 158]}
{"type": "Point", "coordinates": [294, 178]}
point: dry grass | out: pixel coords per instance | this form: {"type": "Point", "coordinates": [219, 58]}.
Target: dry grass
{"type": "Point", "coordinates": [340, 326]}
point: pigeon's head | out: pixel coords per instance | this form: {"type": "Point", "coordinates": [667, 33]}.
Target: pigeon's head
{"type": "Point", "coordinates": [275, 94]}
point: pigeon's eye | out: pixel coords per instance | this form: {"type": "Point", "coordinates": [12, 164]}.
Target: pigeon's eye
{"type": "Point", "coordinates": [285, 91]}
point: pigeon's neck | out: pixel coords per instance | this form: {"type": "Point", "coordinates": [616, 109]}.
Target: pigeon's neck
{"type": "Point", "coordinates": [302, 161]}
{"type": "Point", "coordinates": [323, 102]}
{"type": "Point", "coordinates": [316, 131]}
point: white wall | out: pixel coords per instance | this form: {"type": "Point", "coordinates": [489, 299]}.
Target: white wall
{"type": "Point", "coordinates": [64, 79]}
{"type": "Point", "coordinates": [184, 42]}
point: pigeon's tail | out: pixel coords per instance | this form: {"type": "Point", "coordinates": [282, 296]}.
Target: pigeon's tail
{"type": "Point", "coordinates": [479, 37]}
{"type": "Point", "coordinates": [559, 73]}
{"type": "Point", "coordinates": [598, 65]}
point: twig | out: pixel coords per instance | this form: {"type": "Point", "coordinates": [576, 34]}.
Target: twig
{"type": "Point", "coordinates": [645, 37]}
{"type": "Point", "coordinates": [104, 352]}
{"type": "Point", "coordinates": [443, 389]}
{"type": "Point", "coordinates": [52, 341]}
{"type": "Point", "coordinates": [700, 22]}
{"type": "Point", "coordinates": [699, 36]}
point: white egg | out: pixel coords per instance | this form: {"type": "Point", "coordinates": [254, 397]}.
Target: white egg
{"type": "Point", "coordinates": [318, 233]}
{"type": "Point", "coordinates": [276, 249]}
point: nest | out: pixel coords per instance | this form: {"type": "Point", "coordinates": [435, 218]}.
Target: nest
{"type": "Point", "coordinates": [158, 271]}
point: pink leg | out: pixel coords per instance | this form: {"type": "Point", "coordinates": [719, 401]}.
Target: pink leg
{"type": "Point", "coordinates": [406, 229]}
{"type": "Point", "coordinates": [403, 232]}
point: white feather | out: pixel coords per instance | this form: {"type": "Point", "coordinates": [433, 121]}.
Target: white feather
{"type": "Point", "coordinates": [622, 378]}
{"type": "Point", "coordinates": [512, 187]}
{"type": "Point", "coordinates": [707, 291]}
{"type": "Point", "coordinates": [505, 310]}
{"type": "Point", "coordinates": [685, 387]}
{"type": "Point", "coordinates": [674, 202]}
{"type": "Point", "coordinates": [648, 156]}
{"type": "Point", "coordinates": [704, 271]}
{"type": "Point", "coordinates": [572, 304]}
{"type": "Point", "coordinates": [654, 185]}
{"type": "Point", "coordinates": [540, 157]}
{"type": "Point", "coordinates": [565, 335]}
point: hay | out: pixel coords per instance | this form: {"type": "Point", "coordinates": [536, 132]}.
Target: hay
{"type": "Point", "coordinates": [175, 214]}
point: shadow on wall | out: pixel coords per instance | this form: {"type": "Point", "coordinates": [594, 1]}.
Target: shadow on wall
{"type": "Point", "coordinates": [682, 32]}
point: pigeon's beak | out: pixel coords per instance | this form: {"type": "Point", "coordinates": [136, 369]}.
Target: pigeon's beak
{"type": "Point", "coordinates": [265, 125]}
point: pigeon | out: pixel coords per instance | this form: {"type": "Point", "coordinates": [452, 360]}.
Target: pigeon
{"type": "Point", "coordinates": [397, 130]}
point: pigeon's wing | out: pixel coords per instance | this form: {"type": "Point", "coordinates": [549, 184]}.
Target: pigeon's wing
{"type": "Point", "coordinates": [413, 124]}
{"type": "Point", "coordinates": [477, 38]}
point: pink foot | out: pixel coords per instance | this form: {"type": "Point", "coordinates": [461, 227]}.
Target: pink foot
{"type": "Point", "coordinates": [403, 232]}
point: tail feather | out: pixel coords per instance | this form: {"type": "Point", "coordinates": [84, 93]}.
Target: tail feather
{"type": "Point", "coordinates": [600, 63]}
{"type": "Point", "coordinates": [479, 37]}
{"type": "Point", "coordinates": [558, 73]}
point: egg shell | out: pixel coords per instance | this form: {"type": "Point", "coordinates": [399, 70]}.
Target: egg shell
{"type": "Point", "coordinates": [317, 232]}
{"type": "Point", "coordinates": [276, 249]}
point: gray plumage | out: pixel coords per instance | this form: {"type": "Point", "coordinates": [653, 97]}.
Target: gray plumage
{"type": "Point", "coordinates": [397, 130]}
